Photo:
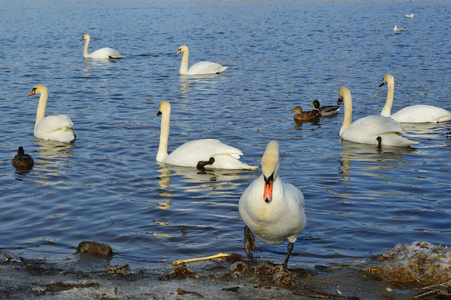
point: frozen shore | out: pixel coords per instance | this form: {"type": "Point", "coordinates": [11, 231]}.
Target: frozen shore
{"type": "Point", "coordinates": [236, 278]}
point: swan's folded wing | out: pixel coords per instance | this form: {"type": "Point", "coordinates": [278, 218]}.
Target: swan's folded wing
{"type": "Point", "coordinates": [422, 114]}
{"type": "Point", "coordinates": [294, 193]}
{"type": "Point", "coordinates": [190, 153]}
{"type": "Point", "coordinates": [54, 123]}
{"type": "Point", "coordinates": [229, 162]}
{"type": "Point", "coordinates": [206, 67]}
{"type": "Point", "coordinates": [105, 53]}
{"type": "Point", "coordinates": [376, 125]}
{"type": "Point", "coordinates": [209, 147]}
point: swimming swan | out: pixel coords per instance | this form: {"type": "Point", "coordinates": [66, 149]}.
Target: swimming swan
{"type": "Point", "coordinates": [54, 128]}
{"type": "Point", "coordinates": [103, 53]}
{"type": "Point", "coordinates": [397, 29]}
{"type": "Point", "coordinates": [200, 68]}
{"type": "Point", "coordinates": [271, 209]}
{"type": "Point", "coordinates": [197, 153]}
{"type": "Point", "coordinates": [366, 130]}
{"type": "Point", "coordinates": [414, 113]}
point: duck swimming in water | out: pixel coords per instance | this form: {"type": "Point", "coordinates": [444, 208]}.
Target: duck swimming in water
{"type": "Point", "coordinates": [305, 115]}
{"type": "Point", "coordinates": [324, 111]}
{"type": "Point", "coordinates": [22, 161]}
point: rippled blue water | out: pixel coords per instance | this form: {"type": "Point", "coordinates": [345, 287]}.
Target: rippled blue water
{"type": "Point", "coordinates": [108, 187]}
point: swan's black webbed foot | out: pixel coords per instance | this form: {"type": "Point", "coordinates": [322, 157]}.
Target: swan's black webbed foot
{"type": "Point", "coordinates": [289, 249]}
{"type": "Point", "coordinates": [249, 242]}
{"type": "Point", "coordinates": [379, 142]}
{"type": "Point", "coordinates": [201, 164]}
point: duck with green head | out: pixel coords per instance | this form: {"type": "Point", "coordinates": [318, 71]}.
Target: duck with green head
{"type": "Point", "coordinates": [324, 111]}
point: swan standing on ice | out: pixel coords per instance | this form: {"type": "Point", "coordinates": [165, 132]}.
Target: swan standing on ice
{"type": "Point", "coordinates": [55, 128]}
{"type": "Point", "coordinates": [203, 153]}
{"type": "Point", "coordinates": [200, 68]}
{"type": "Point", "coordinates": [103, 53]}
{"type": "Point", "coordinates": [271, 209]}
{"type": "Point", "coordinates": [414, 113]}
{"type": "Point", "coordinates": [367, 130]}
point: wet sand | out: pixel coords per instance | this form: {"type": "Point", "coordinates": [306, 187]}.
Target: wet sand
{"type": "Point", "coordinates": [235, 278]}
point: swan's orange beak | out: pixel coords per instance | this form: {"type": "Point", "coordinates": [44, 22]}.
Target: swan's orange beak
{"type": "Point", "coordinates": [33, 91]}
{"type": "Point", "coordinates": [267, 192]}
{"type": "Point", "coordinates": [178, 52]}
{"type": "Point", "coordinates": [82, 38]}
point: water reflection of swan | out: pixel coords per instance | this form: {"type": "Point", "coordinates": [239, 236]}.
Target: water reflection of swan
{"type": "Point", "coordinates": [367, 158]}
{"type": "Point", "coordinates": [52, 155]}
{"type": "Point", "coordinates": [96, 63]}
{"type": "Point", "coordinates": [205, 81]}
{"type": "Point", "coordinates": [217, 179]}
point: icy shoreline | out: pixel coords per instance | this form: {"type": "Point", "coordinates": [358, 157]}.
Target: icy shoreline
{"type": "Point", "coordinates": [41, 279]}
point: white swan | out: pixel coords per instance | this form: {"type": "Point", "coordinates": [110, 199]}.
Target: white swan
{"type": "Point", "coordinates": [200, 68]}
{"type": "Point", "coordinates": [208, 153]}
{"type": "Point", "coordinates": [397, 29]}
{"type": "Point", "coordinates": [409, 16]}
{"type": "Point", "coordinates": [369, 130]}
{"type": "Point", "coordinates": [271, 209]}
{"type": "Point", "coordinates": [103, 53]}
{"type": "Point", "coordinates": [414, 113]}
{"type": "Point", "coordinates": [54, 128]}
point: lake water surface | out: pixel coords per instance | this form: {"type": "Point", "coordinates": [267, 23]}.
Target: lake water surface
{"type": "Point", "coordinates": [107, 186]}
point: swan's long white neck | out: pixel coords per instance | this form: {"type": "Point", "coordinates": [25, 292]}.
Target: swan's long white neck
{"type": "Point", "coordinates": [184, 65]}
{"type": "Point", "coordinates": [164, 136]}
{"type": "Point", "coordinates": [386, 111]}
{"type": "Point", "coordinates": [85, 51]}
{"type": "Point", "coordinates": [347, 118]}
{"type": "Point", "coordinates": [40, 114]}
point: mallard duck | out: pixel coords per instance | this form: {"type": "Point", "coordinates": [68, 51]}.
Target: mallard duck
{"type": "Point", "coordinates": [324, 111]}
{"type": "Point", "coordinates": [22, 160]}
{"type": "Point", "coordinates": [305, 115]}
